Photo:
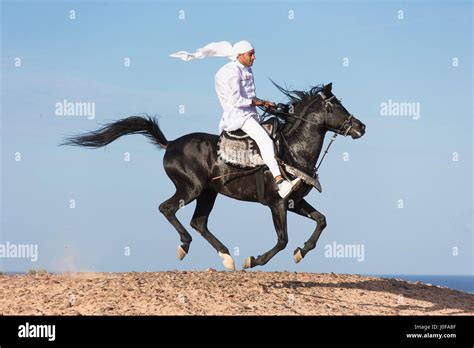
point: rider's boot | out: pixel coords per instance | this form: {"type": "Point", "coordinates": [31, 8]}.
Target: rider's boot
{"type": "Point", "coordinates": [285, 187]}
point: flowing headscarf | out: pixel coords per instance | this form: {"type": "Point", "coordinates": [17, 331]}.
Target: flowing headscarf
{"type": "Point", "coordinates": [216, 49]}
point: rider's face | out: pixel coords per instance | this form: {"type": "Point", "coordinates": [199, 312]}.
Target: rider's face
{"type": "Point", "coordinates": [247, 58]}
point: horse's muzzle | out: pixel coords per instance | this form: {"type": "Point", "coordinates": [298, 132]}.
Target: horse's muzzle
{"type": "Point", "coordinates": [358, 131]}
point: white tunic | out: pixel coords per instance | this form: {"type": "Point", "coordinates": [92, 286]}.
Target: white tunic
{"type": "Point", "coordinates": [235, 89]}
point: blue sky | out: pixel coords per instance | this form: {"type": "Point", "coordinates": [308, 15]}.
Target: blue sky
{"type": "Point", "coordinates": [407, 59]}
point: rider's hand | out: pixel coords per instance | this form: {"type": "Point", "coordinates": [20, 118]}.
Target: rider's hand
{"type": "Point", "coordinates": [264, 103]}
{"type": "Point", "coordinates": [269, 105]}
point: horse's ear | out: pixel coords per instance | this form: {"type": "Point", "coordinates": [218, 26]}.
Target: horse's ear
{"type": "Point", "coordinates": [328, 87]}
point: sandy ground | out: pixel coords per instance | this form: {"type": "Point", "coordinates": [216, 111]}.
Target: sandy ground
{"type": "Point", "coordinates": [224, 293]}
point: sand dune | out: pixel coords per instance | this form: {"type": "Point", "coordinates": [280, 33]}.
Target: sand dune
{"type": "Point", "coordinates": [224, 293]}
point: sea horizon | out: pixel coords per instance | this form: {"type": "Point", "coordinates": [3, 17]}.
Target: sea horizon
{"type": "Point", "coordinates": [457, 282]}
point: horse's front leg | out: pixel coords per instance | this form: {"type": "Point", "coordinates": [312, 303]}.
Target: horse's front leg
{"type": "Point", "coordinates": [279, 220]}
{"type": "Point", "coordinates": [305, 209]}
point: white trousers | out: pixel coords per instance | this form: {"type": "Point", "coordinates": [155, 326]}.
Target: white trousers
{"type": "Point", "coordinates": [264, 142]}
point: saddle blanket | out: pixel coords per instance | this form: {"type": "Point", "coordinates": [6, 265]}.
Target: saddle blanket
{"type": "Point", "coordinates": [240, 152]}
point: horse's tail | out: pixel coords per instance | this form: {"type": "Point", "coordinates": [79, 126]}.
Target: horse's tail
{"type": "Point", "coordinates": [148, 126]}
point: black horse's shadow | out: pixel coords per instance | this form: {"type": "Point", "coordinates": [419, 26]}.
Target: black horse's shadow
{"type": "Point", "coordinates": [440, 297]}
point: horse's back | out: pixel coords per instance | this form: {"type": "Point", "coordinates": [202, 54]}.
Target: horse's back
{"type": "Point", "coordinates": [192, 149]}
{"type": "Point", "coordinates": [201, 141]}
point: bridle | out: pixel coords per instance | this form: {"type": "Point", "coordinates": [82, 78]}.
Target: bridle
{"type": "Point", "coordinates": [348, 121]}
{"type": "Point", "coordinates": [328, 106]}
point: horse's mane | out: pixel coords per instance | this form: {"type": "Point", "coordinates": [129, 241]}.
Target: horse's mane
{"type": "Point", "coordinates": [298, 99]}
{"type": "Point", "coordinates": [302, 96]}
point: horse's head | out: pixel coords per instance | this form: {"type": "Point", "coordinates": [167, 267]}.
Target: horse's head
{"type": "Point", "coordinates": [321, 107]}
{"type": "Point", "coordinates": [336, 118]}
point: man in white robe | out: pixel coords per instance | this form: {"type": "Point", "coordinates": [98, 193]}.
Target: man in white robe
{"type": "Point", "coordinates": [235, 89]}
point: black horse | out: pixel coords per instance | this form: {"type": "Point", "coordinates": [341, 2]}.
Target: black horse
{"type": "Point", "coordinates": [192, 163]}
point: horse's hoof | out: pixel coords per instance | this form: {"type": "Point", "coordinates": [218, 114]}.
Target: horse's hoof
{"type": "Point", "coordinates": [181, 252]}
{"type": "Point", "coordinates": [248, 262]}
{"type": "Point", "coordinates": [297, 256]}
{"type": "Point", "coordinates": [228, 261]}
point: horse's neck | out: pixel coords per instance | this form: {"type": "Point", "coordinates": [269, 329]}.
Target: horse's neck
{"type": "Point", "coordinates": [305, 143]}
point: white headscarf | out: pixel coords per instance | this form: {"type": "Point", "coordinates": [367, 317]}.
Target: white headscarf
{"type": "Point", "coordinates": [216, 49]}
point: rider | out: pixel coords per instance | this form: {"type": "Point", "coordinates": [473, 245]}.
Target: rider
{"type": "Point", "coordinates": [235, 89]}
{"type": "Point", "coordinates": [236, 92]}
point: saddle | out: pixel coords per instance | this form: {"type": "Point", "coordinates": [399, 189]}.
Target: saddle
{"type": "Point", "coordinates": [238, 149]}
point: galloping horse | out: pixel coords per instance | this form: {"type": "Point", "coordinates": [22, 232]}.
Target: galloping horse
{"type": "Point", "coordinates": [192, 163]}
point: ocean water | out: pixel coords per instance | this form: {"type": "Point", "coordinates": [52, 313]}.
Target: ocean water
{"type": "Point", "coordinates": [463, 283]}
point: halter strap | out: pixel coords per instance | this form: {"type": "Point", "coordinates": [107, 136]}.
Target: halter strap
{"type": "Point", "coordinates": [336, 132]}
{"type": "Point", "coordinates": [326, 100]}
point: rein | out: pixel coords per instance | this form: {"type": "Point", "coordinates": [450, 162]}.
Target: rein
{"type": "Point", "coordinates": [336, 132]}
{"type": "Point", "coordinates": [333, 139]}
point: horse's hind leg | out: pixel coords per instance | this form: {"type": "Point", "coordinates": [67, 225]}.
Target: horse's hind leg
{"type": "Point", "coordinates": [204, 205]}
{"type": "Point", "coordinates": [169, 208]}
